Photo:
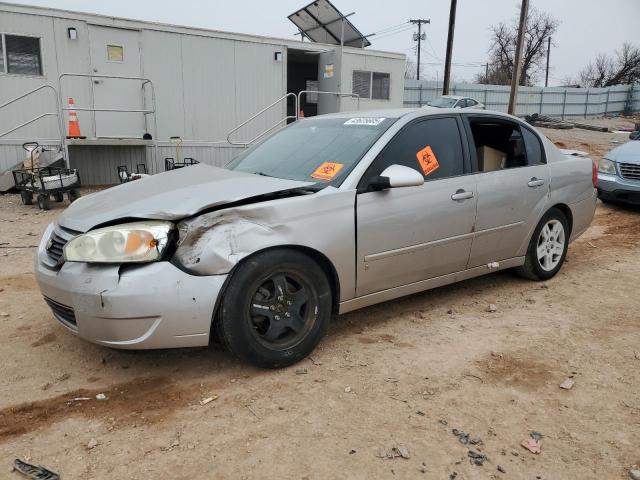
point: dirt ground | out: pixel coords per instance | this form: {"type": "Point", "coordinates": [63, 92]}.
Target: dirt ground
{"type": "Point", "coordinates": [402, 374]}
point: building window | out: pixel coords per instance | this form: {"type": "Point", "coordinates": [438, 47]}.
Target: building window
{"type": "Point", "coordinates": [362, 84]}
{"type": "Point", "coordinates": [380, 86]}
{"type": "Point", "coordinates": [371, 85]}
{"type": "Point", "coordinates": [20, 55]}
{"type": "Point", "coordinates": [115, 53]}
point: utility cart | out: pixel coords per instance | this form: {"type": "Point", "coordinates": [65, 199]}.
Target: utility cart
{"type": "Point", "coordinates": [45, 183]}
{"type": "Point", "coordinates": [170, 164]}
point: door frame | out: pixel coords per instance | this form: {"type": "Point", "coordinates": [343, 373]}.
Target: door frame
{"type": "Point", "coordinates": [361, 185]}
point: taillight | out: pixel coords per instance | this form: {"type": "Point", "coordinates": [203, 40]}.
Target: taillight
{"type": "Point", "coordinates": [594, 174]}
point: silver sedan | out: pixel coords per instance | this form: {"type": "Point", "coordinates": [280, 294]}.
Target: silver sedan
{"type": "Point", "coordinates": [455, 101]}
{"type": "Point", "coordinates": [331, 214]}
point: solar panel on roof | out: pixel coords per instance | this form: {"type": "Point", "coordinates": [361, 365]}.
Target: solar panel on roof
{"type": "Point", "coordinates": [321, 22]}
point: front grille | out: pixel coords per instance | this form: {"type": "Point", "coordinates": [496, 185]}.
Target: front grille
{"type": "Point", "coordinates": [630, 171]}
{"type": "Point", "coordinates": [63, 313]}
{"type": "Point", "coordinates": [58, 239]}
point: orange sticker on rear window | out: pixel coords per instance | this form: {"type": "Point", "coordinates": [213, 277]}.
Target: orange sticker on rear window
{"type": "Point", "coordinates": [327, 171]}
{"type": "Point", "coordinates": [427, 160]}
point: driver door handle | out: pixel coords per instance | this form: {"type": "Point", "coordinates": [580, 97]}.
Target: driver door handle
{"type": "Point", "coordinates": [535, 182]}
{"type": "Point", "coordinates": [462, 195]}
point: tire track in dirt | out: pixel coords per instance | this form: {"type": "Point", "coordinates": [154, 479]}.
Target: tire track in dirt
{"type": "Point", "coordinates": [142, 401]}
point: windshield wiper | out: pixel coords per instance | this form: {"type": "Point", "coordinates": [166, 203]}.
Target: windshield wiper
{"type": "Point", "coordinates": [263, 174]}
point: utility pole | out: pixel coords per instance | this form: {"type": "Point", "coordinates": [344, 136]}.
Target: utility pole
{"type": "Point", "coordinates": [421, 36]}
{"type": "Point", "coordinates": [447, 62]}
{"type": "Point", "coordinates": [546, 76]}
{"type": "Point", "coordinates": [486, 72]}
{"type": "Point", "coordinates": [517, 63]}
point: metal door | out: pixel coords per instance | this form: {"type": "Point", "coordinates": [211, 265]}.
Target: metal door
{"type": "Point", "coordinates": [414, 233]}
{"type": "Point", "coordinates": [328, 81]}
{"type": "Point", "coordinates": [116, 51]}
{"type": "Point", "coordinates": [510, 203]}
{"type": "Point", "coordinates": [405, 235]}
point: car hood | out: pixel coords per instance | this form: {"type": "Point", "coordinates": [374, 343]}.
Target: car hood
{"type": "Point", "coordinates": [170, 196]}
{"type": "Point", "coordinates": [627, 153]}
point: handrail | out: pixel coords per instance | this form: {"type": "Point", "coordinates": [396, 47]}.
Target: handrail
{"type": "Point", "coordinates": [145, 111]}
{"type": "Point", "coordinates": [275, 125]}
{"type": "Point", "coordinates": [48, 114]}
{"type": "Point", "coordinates": [340, 94]}
{"type": "Point", "coordinates": [288, 117]}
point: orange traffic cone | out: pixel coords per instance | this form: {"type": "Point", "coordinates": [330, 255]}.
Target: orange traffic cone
{"type": "Point", "coordinates": [74, 124]}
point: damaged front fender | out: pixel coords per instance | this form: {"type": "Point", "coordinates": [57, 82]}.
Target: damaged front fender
{"type": "Point", "coordinates": [213, 243]}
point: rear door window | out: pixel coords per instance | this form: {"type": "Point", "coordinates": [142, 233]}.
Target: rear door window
{"type": "Point", "coordinates": [535, 152]}
{"type": "Point", "coordinates": [498, 144]}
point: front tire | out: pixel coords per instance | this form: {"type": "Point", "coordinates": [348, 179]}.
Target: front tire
{"type": "Point", "coordinates": [276, 308]}
{"type": "Point", "coordinates": [547, 248]}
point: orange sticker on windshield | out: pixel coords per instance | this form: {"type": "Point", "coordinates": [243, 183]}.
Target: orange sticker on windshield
{"type": "Point", "coordinates": [327, 171]}
{"type": "Point", "coordinates": [427, 160]}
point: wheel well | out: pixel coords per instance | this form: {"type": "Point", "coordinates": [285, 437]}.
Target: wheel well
{"type": "Point", "coordinates": [326, 265]}
{"type": "Point", "coordinates": [567, 213]}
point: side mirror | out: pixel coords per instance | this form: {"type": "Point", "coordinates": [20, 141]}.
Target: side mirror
{"type": "Point", "coordinates": [395, 176]}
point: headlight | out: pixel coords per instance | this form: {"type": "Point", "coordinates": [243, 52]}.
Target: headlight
{"type": "Point", "coordinates": [130, 242]}
{"type": "Point", "coordinates": [607, 166]}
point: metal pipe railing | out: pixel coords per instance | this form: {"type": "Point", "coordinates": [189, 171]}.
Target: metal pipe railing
{"type": "Point", "coordinates": [48, 114]}
{"type": "Point", "coordinates": [144, 111]}
{"type": "Point", "coordinates": [288, 117]}
{"type": "Point", "coordinates": [339, 94]}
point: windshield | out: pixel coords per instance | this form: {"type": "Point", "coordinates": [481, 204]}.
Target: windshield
{"type": "Point", "coordinates": [321, 150]}
{"type": "Point", "coordinates": [444, 102]}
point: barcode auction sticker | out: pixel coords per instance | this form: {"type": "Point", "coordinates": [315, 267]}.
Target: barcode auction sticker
{"type": "Point", "coordinates": [327, 171]}
{"type": "Point", "coordinates": [427, 160]}
{"type": "Point", "coordinates": [365, 121]}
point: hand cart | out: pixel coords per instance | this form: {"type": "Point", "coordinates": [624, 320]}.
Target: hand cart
{"type": "Point", "coordinates": [45, 182]}
{"type": "Point", "coordinates": [125, 176]}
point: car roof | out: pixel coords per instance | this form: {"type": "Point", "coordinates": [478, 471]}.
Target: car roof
{"type": "Point", "coordinates": [454, 97]}
{"type": "Point", "coordinates": [411, 113]}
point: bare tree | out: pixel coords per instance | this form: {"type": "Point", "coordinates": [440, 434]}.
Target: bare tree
{"type": "Point", "coordinates": [540, 26]}
{"type": "Point", "coordinates": [623, 67]}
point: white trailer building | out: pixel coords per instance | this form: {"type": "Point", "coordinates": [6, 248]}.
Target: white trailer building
{"type": "Point", "coordinates": [191, 83]}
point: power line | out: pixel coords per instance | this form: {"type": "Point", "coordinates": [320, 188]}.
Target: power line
{"type": "Point", "coordinates": [384, 30]}
{"type": "Point", "coordinates": [388, 34]}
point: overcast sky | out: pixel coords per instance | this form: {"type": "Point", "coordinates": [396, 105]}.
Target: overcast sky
{"type": "Point", "coordinates": [588, 27]}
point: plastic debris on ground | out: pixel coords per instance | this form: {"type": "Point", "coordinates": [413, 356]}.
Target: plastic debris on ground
{"type": "Point", "coordinates": [36, 472]}
{"type": "Point", "coordinates": [533, 443]}
{"type": "Point", "coordinates": [393, 452]}
{"type": "Point", "coordinates": [477, 458]}
{"type": "Point", "coordinates": [204, 401]}
{"type": "Point", "coordinates": [567, 384]}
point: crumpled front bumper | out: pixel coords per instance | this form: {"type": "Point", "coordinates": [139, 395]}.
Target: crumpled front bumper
{"type": "Point", "coordinates": [617, 188]}
{"type": "Point", "coordinates": [154, 305]}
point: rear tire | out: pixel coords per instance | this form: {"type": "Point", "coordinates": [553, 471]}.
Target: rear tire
{"type": "Point", "coordinates": [27, 197]}
{"type": "Point", "coordinates": [58, 197]}
{"type": "Point", "coordinates": [276, 308]}
{"type": "Point", "coordinates": [43, 202]}
{"type": "Point", "coordinates": [547, 248]}
{"type": "Point", "coordinates": [73, 195]}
